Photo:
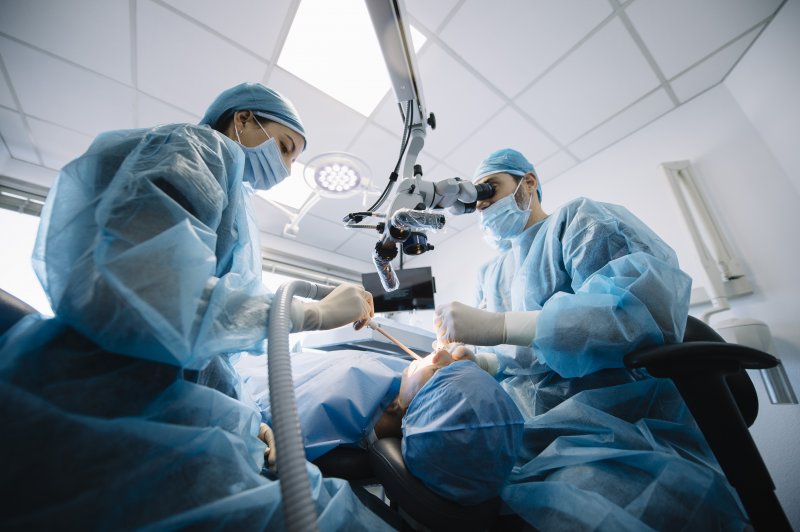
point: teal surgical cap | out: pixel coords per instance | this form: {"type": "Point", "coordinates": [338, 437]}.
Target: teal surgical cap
{"type": "Point", "coordinates": [461, 434]}
{"type": "Point", "coordinates": [254, 97]}
{"type": "Point", "coordinates": [507, 161]}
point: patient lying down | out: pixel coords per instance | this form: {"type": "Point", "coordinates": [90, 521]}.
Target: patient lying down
{"type": "Point", "coordinates": [460, 430]}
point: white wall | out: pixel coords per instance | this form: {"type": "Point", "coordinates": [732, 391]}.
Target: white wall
{"type": "Point", "coordinates": [742, 138]}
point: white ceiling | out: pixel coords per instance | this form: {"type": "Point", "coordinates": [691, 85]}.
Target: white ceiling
{"type": "Point", "coordinates": [559, 80]}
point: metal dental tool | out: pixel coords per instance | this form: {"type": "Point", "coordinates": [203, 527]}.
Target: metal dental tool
{"type": "Point", "coordinates": [375, 327]}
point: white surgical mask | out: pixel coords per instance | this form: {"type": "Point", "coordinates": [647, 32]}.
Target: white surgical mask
{"type": "Point", "coordinates": [504, 219]}
{"type": "Point", "coordinates": [263, 165]}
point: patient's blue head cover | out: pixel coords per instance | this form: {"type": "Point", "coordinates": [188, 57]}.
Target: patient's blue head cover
{"type": "Point", "coordinates": [508, 161]}
{"type": "Point", "coordinates": [254, 97]}
{"type": "Point", "coordinates": [462, 433]}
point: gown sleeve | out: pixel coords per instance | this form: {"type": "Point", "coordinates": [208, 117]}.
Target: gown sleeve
{"type": "Point", "coordinates": [146, 247]}
{"type": "Point", "coordinates": [628, 293]}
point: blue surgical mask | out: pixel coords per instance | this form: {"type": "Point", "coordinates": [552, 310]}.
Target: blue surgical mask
{"type": "Point", "coordinates": [263, 165]}
{"type": "Point", "coordinates": [504, 219]}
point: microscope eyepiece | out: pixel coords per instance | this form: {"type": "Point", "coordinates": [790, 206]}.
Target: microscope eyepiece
{"type": "Point", "coordinates": [484, 191]}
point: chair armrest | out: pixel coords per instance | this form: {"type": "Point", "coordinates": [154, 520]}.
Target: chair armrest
{"type": "Point", "coordinates": [691, 357]}
{"type": "Point", "coordinates": [415, 500]}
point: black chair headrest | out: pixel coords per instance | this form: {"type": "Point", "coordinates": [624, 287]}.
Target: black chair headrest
{"type": "Point", "coordinates": [12, 309]}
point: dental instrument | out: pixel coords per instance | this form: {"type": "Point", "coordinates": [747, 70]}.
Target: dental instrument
{"type": "Point", "coordinates": [375, 327]}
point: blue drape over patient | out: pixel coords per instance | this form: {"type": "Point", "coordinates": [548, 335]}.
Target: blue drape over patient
{"type": "Point", "coordinates": [340, 394]}
{"type": "Point", "coordinates": [124, 410]}
{"type": "Point", "coordinates": [605, 448]}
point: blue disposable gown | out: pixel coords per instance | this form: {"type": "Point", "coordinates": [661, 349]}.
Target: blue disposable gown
{"type": "Point", "coordinates": [124, 410]}
{"type": "Point", "coordinates": [605, 448]}
{"type": "Point", "coordinates": [340, 395]}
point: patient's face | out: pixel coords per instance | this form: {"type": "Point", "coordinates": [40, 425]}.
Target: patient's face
{"type": "Point", "coordinates": [418, 373]}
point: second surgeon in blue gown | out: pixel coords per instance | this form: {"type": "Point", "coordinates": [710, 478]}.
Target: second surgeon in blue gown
{"type": "Point", "coordinates": [605, 448]}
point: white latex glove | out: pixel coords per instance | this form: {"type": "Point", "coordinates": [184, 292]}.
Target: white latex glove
{"type": "Point", "coordinates": [457, 322]}
{"type": "Point", "coordinates": [487, 361]}
{"type": "Point", "coordinates": [348, 303]}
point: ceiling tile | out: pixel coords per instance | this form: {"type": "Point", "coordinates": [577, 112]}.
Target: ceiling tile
{"type": "Point", "coordinates": [388, 114]}
{"type": "Point", "coordinates": [430, 14]}
{"type": "Point", "coordinates": [641, 113]}
{"type": "Point", "coordinates": [519, 39]}
{"type": "Point", "coordinates": [358, 246]}
{"type": "Point", "coordinates": [13, 131]}
{"type": "Point", "coordinates": [712, 70]}
{"type": "Point", "coordinates": [226, 18]}
{"type": "Point", "coordinates": [65, 94]}
{"type": "Point", "coordinates": [679, 33]}
{"type": "Point", "coordinates": [604, 75]}
{"type": "Point", "coordinates": [57, 145]}
{"type": "Point", "coordinates": [154, 112]}
{"type": "Point", "coordinates": [94, 34]}
{"type": "Point", "coordinates": [5, 92]}
{"type": "Point", "coordinates": [380, 150]}
{"type": "Point", "coordinates": [508, 129]}
{"type": "Point", "coordinates": [554, 166]}
{"type": "Point", "coordinates": [185, 65]}
{"type": "Point", "coordinates": [330, 125]}
{"type": "Point", "coordinates": [456, 118]}
{"type": "Point", "coordinates": [322, 234]}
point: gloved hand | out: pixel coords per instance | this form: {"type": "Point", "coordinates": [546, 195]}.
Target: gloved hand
{"type": "Point", "coordinates": [347, 303]}
{"type": "Point", "coordinates": [457, 322]}
{"type": "Point", "coordinates": [487, 361]}
{"type": "Point", "coordinates": [270, 455]}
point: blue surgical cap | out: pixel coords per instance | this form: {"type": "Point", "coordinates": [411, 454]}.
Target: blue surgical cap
{"type": "Point", "coordinates": [508, 161]}
{"type": "Point", "coordinates": [254, 97]}
{"type": "Point", "coordinates": [461, 434]}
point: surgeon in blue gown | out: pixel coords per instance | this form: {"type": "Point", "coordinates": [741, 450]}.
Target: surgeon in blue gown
{"type": "Point", "coordinates": [124, 411]}
{"type": "Point", "coordinates": [605, 448]}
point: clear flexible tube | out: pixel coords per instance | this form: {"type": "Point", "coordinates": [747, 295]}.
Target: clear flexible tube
{"type": "Point", "coordinates": [385, 272]}
{"type": "Point", "coordinates": [417, 220]}
{"type": "Point", "coordinates": [298, 506]}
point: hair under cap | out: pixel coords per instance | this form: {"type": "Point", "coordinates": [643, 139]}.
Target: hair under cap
{"type": "Point", "coordinates": [461, 434]}
{"type": "Point", "coordinates": [263, 101]}
{"type": "Point", "coordinates": [508, 161]}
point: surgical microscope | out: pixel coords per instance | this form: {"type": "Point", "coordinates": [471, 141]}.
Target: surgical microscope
{"type": "Point", "coordinates": [412, 210]}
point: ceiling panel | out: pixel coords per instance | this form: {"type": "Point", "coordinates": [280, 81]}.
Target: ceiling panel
{"type": "Point", "coordinates": [329, 124]}
{"type": "Point", "coordinates": [519, 39]}
{"type": "Point", "coordinates": [456, 118]}
{"type": "Point", "coordinates": [6, 99]}
{"type": "Point", "coordinates": [230, 18]}
{"type": "Point", "coordinates": [554, 166]}
{"type": "Point", "coordinates": [681, 32]}
{"type": "Point", "coordinates": [16, 138]}
{"type": "Point", "coordinates": [430, 14]}
{"type": "Point", "coordinates": [153, 112]}
{"type": "Point", "coordinates": [322, 234]}
{"type": "Point", "coordinates": [507, 129]}
{"type": "Point", "coordinates": [712, 70]}
{"type": "Point", "coordinates": [183, 64]}
{"type": "Point", "coordinates": [66, 94]}
{"type": "Point", "coordinates": [607, 73]}
{"type": "Point", "coordinates": [59, 145]}
{"type": "Point", "coordinates": [94, 34]}
{"type": "Point", "coordinates": [637, 115]}
{"type": "Point", "coordinates": [380, 150]}
{"type": "Point", "coordinates": [359, 246]}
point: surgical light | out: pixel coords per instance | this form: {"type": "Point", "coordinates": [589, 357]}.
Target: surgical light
{"type": "Point", "coordinates": [336, 174]}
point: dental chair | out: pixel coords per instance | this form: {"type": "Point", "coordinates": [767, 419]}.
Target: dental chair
{"type": "Point", "coordinates": [710, 375]}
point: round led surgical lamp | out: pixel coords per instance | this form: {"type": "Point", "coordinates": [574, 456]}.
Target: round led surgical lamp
{"type": "Point", "coordinates": [337, 175]}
